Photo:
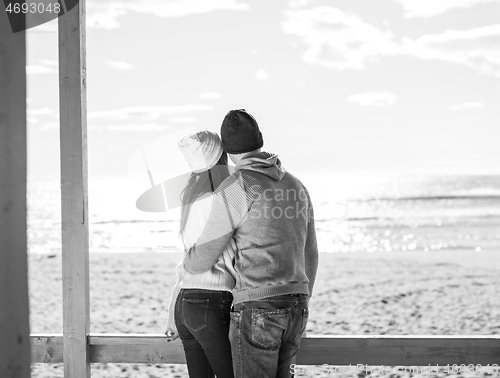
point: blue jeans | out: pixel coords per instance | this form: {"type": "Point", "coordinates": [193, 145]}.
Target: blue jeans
{"type": "Point", "coordinates": [202, 320]}
{"type": "Point", "coordinates": [265, 335]}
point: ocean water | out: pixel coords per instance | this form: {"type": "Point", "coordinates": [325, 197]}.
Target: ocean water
{"type": "Point", "coordinates": [352, 214]}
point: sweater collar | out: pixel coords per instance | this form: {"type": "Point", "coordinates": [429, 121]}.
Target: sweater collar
{"type": "Point", "coordinates": [262, 162]}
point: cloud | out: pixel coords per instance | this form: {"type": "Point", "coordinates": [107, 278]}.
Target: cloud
{"type": "Point", "coordinates": [44, 66]}
{"type": "Point", "coordinates": [49, 126]}
{"type": "Point", "coordinates": [39, 112]}
{"type": "Point", "coordinates": [209, 95]}
{"type": "Point", "coordinates": [427, 8]}
{"type": "Point", "coordinates": [181, 8]}
{"type": "Point", "coordinates": [134, 127]}
{"type": "Point", "coordinates": [32, 121]}
{"type": "Point", "coordinates": [478, 49]}
{"type": "Point", "coordinates": [338, 39]}
{"type": "Point", "coordinates": [49, 62]}
{"type": "Point", "coordinates": [37, 69]}
{"type": "Point", "coordinates": [119, 65]}
{"type": "Point", "coordinates": [138, 127]}
{"type": "Point", "coordinates": [261, 75]}
{"type": "Point", "coordinates": [118, 147]}
{"type": "Point", "coordinates": [33, 114]}
{"type": "Point", "coordinates": [298, 3]}
{"type": "Point", "coordinates": [378, 99]}
{"type": "Point", "coordinates": [141, 127]}
{"type": "Point", "coordinates": [98, 121]}
{"type": "Point", "coordinates": [147, 112]}
{"type": "Point", "coordinates": [183, 120]}
{"type": "Point", "coordinates": [104, 14]}
{"type": "Point", "coordinates": [467, 105]}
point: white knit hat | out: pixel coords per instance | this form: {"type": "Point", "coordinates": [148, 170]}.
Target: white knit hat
{"type": "Point", "coordinates": [202, 150]}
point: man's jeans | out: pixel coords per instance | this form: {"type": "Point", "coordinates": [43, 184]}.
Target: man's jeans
{"type": "Point", "coordinates": [202, 320]}
{"type": "Point", "coordinates": [265, 335]}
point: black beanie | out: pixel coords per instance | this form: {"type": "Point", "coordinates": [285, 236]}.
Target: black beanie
{"type": "Point", "coordinates": [240, 133]}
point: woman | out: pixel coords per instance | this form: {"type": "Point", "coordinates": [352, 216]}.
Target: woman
{"type": "Point", "coordinates": [200, 304]}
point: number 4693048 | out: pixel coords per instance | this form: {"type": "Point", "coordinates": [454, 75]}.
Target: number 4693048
{"type": "Point", "coordinates": [33, 8]}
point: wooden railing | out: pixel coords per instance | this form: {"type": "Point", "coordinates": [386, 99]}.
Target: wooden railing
{"type": "Point", "coordinates": [318, 350]}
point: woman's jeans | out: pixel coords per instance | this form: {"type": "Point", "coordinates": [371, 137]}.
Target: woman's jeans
{"type": "Point", "coordinates": [202, 320]}
{"type": "Point", "coordinates": [265, 335]}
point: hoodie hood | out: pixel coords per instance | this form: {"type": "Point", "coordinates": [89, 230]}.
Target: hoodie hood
{"type": "Point", "coordinates": [262, 162]}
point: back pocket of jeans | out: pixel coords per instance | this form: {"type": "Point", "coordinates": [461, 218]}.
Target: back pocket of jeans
{"type": "Point", "coordinates": [268, 327]}
{"type": "Point", "coordinates": [195, 313]}
{"type": "Point", "coordinates": [235, 316]}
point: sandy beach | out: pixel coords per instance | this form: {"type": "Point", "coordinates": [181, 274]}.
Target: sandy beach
{"type": "Point", "coordinates": [420, 293]}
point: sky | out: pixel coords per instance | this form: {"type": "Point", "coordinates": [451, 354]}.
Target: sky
{"type": "Point", "coordinates": [337, 87]}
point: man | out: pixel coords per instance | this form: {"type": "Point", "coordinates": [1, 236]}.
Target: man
{"type": "Point", "coordinates": [268, 213]}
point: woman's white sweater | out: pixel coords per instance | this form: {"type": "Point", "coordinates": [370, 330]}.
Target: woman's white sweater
{"type": "Point", "coordinates": [221, 276]}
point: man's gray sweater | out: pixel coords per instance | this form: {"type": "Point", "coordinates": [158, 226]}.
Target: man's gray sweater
{"type": "Point", "coordinates": [269, 214]}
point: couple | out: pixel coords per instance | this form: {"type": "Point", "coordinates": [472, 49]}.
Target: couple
{"type": "Point", "coordinates": [240, 305]}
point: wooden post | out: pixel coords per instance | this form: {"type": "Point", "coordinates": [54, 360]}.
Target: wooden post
{"type": "Point", "coordinates": [14, 306]}
{"type": "Point", "coordinates": [74, 197]}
